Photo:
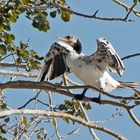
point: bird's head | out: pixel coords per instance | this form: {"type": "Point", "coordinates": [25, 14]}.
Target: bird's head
{"type": "Point", "coordinates": [102, 43]}
{"type": "Point", "coordinates": [73, 42]}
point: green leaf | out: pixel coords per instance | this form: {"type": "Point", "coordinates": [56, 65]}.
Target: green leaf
{"type": "Point", "coordinates": [66, 15]}
{"type": "Point", "coordinates": [44, 26]}
{"type": "Point", "coordinates": [25, 1]}
{"type": "Point", "coordinates": [41, 23]}
{"type": "Point", "coordinates": [1, 28]}
{"type": "Point", "coordinates": [53, 14]}
{"type": "Point", "coordinates": [136, 1]}
{"type": "Point", "coordinates": [3, 106]}
{"type": "Point", "coordinates": [12, 18]}
{"type": "Point", "coordinates": [3, 50]}
{"type": "Point", "coordinates": [19, 60]}
{"type": "Point", "coordinates": [33, 53]}
{"type": "Point", "coordinates": [66, 119]}
{"type": "Point", "coordinates": [9, 38]}
{"type": "Point", "coordinates": [1, 20]}
{"type": "Point", "coordinates": [24, 121]}
{"type": "Point", "coordinates": [137, 102]}
{"type": "Point", "coordinates": [87, 106]}
{"type": "Point", "coordinates": [61, 107]}
{"type": "Point", "coordinates": [62, 2]}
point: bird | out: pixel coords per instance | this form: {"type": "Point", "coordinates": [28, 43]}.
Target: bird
{"type": "Point", "coordinates": [65, 56]}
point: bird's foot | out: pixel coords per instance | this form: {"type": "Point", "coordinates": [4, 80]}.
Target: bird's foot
{"type": "Point", "coordinates": [79, 97]}
{"type": "Point", "coordinates": [96, 99]}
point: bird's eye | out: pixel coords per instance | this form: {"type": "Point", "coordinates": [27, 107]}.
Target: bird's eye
{"type": "Point", "coordinates": [107, 42]}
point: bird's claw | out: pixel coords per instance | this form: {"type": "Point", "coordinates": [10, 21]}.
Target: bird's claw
{"type": "Point", "coordinates": [79, 97]}
{"type": "Point", "coordinates": [96, 99]}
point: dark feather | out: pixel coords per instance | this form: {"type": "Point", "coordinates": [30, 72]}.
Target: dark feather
{"type": "Point", "coordinates": [59, 66]}
{"type": "Point", "coordinates": [45, 69]}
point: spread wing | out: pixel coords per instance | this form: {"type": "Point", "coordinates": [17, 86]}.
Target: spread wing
{"type": "Point", "coordinates": [55, 62]}
{"type": "Point", "coordinates": [109, 57]}
{"type": "Point", "coordinates": [115, 62]}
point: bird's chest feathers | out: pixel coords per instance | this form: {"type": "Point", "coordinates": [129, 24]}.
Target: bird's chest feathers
{"type": "Point", "coordinates": [84, 69]}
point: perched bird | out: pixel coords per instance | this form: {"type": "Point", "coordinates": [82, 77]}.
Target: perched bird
{"type": "Point", "coordinates": [65, 56]}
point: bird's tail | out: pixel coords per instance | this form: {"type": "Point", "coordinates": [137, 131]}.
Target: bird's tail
{"type": "Point", "coordinates": [132, 85]}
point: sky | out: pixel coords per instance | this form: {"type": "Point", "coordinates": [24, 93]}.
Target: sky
{"type": "Point", "coordinates": [124, 36]}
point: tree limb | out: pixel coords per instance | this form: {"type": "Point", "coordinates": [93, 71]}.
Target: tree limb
{"type": "Point", "coordinates": [93, 16]}
{"type": "Point", "coordinates": [130, 56]}
{"type": "Point", "coordinates": [136, 12]}
{"type": "Point", "coordinates": [59, 90]}
{"type": "Point", "coordinates": [61, 115]}
{"type": "Point", "coordinates": [133, 117]}
{"type": "Point", "coordinates": [18, 73]}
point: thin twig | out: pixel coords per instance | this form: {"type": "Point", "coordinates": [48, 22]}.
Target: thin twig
{"type": "Point", "coordinates": [93, 134]}
{"type": "Point", "coordinates": [131, 9]}
{"type": "Point", "coordinates": [54, 118]}
{"type": "Point", "coordinates": [34, 98]}
{"type": "Point", "coordinates": [93, 16]}
{"type": "Point", "coordinates": [133, 117]}
{"type": "Point", "coordinates": [136, 12]}
{"type": "Point", "coordinates": [130, 56]}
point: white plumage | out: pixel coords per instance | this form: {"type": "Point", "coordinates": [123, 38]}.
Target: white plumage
{"type": "Point", "coordinates": [65, 56]}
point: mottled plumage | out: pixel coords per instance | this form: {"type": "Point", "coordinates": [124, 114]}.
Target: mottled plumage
{"type": "Point", "coordinates": [65, 56]}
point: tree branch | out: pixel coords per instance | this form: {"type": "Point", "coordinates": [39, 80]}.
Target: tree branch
{"type": "Point", "coordinates": [61, 115]}
{"type": "Point", "coordinates": [130, 56]}
{"type": "Point", "coordinates": [93, 16]}
{"type": "Point", "coordinates": [93, 134]}
{"type": "Point", "coordinates": [18, 73]}
{"type": "Point", "coordinates": [133, 117]}
{"type": "Point", "coordinates": [60, 90]}
{"type": "Point", "coordinates": [127, 8]}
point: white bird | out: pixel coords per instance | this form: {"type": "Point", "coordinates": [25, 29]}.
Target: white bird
{"type": "Point", "coordinates": [65, 56]}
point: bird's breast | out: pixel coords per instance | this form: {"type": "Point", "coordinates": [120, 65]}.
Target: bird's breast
{"type": "Point", "coordinates": [86, 71]}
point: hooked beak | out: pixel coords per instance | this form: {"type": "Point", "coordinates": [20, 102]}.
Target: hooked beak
{"type": "Point", "coordinates": [98, 42]}
{"type": "Point", "coordinates": [64, 39]}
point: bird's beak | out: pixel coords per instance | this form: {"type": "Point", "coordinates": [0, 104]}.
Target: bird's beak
{"type": "Point", "coordinates": [64, 39]}
{"type": "Point", "coordinates": [98, 42]}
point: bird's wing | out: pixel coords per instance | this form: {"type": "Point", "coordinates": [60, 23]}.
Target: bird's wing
{"type": "Point", "coordinates": [55, 62]}
{"type": "Point", "coordinates": [115, 62]}
{"type": "Point", "coordinates": [109, 57]}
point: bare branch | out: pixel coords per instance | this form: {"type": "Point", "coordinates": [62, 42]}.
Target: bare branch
{"type": "Point", "coordinates": [93, 16]}
{"type": "Point", "coordinates": [54, 118]}
{"type": "Point", "coordinates": [133, 117]}
{"type": "Point", "coordinates": [93, 134]}
{"type": "Point", "coordinates": [58, 89]}
{"type": "Point", "coordinates": [18, 73]}
{"type": "Point", "coordinates": [127, 8]}
{"type": "Point", "coordinates": [131, 9]}
{"type": "Point", "coordinates": [130, 56]}
{"type": "Point", "coordinates": [62, 115]}
{"type": "Point", "coordinates": [11, 64]}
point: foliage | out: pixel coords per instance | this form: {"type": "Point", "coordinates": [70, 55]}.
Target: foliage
{"type": "Point", "coordinates": [37, 12]}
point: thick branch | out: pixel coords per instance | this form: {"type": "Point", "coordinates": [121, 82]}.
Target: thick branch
{"type": "Point", "coordinates": [57, 89]}
{"type": "Point", "coordinates": [62, 115]}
